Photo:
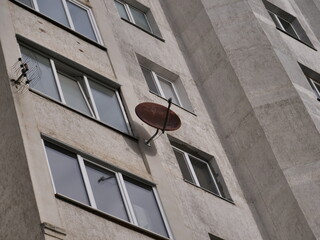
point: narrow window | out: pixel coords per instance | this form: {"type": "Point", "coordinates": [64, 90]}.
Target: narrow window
{"type": "Point", "coordinates": [66, 173]}
{"type": "Point", "coordinates": [108, 106]}
{"type": "Point", "coordinates": [122, 10]}
{"type": "Point", "coordinates": [106, 191]}
{"type": "Point", "coordinates": [54, 9]}
{"type": "Point", "coordinates": [46, 84]}
{"type": "Point", "coordinates": [140, 18]}
{"type": "Point", "coordinates": [145, 207]}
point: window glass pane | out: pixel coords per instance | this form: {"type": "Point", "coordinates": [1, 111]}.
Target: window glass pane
{"type": "Point", "coordinates": [72, 94]}
{"type": "Point", "coordinates": [204, 177]}
{"type": "Point", "coordinates": [122, 11]}
{"type": "Point", "coordinates": [183, 165]}
{"type": "Point", "coordinates": [151, 84]}
{"type": "Point", "coordinates": [140, 19]}
{"type": "Point", "coordinates": [108, 106]}
{"type": "Point", "coordinates": [288, 28]}
{"type": "Point", "coordinates": [46, 84]}
{"type": "Point", "coordinates": [53, 9]}
{"type": "Point", "coordinates": [81, 21]}
{"type": "Point", "coordinates": [26, 2]}
{"type": "Point", "coordinates": [66, 173]}
{"type": "Point", "coordinates": [106, 191]}
{"type": "Point", "coordinates": [168, 90]}
{"type": "Point", "coordinates": [145, 207]}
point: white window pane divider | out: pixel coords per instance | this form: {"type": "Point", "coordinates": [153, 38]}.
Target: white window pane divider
{"type": "Point", "coordinates": [214, 179]}
{"type": "Point", "coordinates": [123, 112]}
{"type": "Point", "coordinates": [35, 4]}
{"type": "Point", "coordinates": [126, 199]}
{"type": "Point", "coordinates": [68, 14]}
{"type": "Point", "coordinates": [176, 93]}
{"type": "Point", "coordinates": [127, 8]}
{"type": "Point", "coordinates": [91, 99]}
{"type": "Point", "coordinates": [156, 80]}
{"type": "Point", "coordinates": [56, 78]}
{"type": "Point", "coordinates": [85, 98]}
{"type": "Point", "coordinates": [86, 181]}
{"type": "Point", "coordinates": [193, 173]}
{"type": "Point", "coordinates": [163, 215]}
{"type": "Point", "coordinates": [47, 159]}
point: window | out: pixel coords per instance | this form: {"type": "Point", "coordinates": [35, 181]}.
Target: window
{"type": "Point", "coordinates": [69, 13]}
{"type": "Point", "coordinates": [212, 237]}
{"type": "Point", "coordinates": [199, 171]}
{"type": "Point", "coordinates": [287, 23]}
{"type": "Point", "coordinates": [133, 15]}
{"type": "Point", "coordinates": [161, 86]}
{"type": "Point", "coordinates": [313, 79]}
{"type": "Point", "coordinates": [78, 91]}
{"type": "Point", "coordinates": [106, 190]}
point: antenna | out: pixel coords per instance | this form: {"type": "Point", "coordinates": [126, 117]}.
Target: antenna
{"type": "Point", "coordinates": [159, 117]}
{"type": "Point", "coordinates": [24, 71]}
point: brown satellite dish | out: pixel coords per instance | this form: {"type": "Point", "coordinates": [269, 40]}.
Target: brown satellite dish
{"type": "Point", "coordinates": [158, 116]}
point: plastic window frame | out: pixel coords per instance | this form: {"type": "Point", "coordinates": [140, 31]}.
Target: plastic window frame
{"type": "Point", "coordinates": [192, 172]}
{"type": "Point", "coordinates": [130, 16]}
{"type": "Point", "coordinates": [71, 25]}
{"type": "Point", "coordinates": [88, 99]}
{"type": "Point", "coordinates": [281, 25]}
{"type": "Point", "coordinates": [159, 88]}
{"type": "Point", "coordinates": [121, 186]}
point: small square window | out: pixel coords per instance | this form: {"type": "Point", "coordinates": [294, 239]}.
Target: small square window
{"type": "Point", "coordinates": [200, 171]}
{"type": "Point", "coordinates": [137, 14]}
{"type": "Point", "coordinates": [69, 13]}
{"type": "Point", "coordinates": [313, 79]}
{"type": "Point", "coordinates": [287, 23]}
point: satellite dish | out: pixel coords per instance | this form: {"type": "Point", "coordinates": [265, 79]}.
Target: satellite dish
{"type": "Point", "coordinates": [158, 116]}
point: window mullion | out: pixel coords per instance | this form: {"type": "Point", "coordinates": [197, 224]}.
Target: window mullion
{"type": "Point", "coordinates": [156, 80]}
{"type": "Point", "coordinates": [126, 199]}
{"type": "Point", "coordinates": [127, 8]}
{"type": "Point", "coordinates": [214, 179]}
{"type": "Point", "coordinates": [35, 5]}
{"type": "Point", "coordinates": [86, 181]}
{"type": "Point", "coordinates": [56, 78]}
{"type": "Point", "coordinates": [45, 153]}
{"type": "Point", "coordinates": [68, 14]}
{"type": "Point", "coordinates": [85, 98]}
{"type": "Point", "coordinates": [193, 173]}
{"type": "Point", "coordinates": [91, 99]}
{"type": "Point", "coordinates": [123, 112]}
{"type": "Point", "coordinates": [163, 215]}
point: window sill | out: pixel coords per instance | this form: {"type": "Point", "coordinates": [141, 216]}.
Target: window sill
{"type": "Point", "coordinates": [206, 190]}
{"type": "Point", "coordinates": [110, 217]}
{"type": "Point", "coordinates": [189, 111]}
{"type": "Point", "coordinates": [98, 45]}
{"type": "Point", "coordinates": [308, 45]}
{"type": "Point", "coordinates": [150, 33]}
{"type": "Point", "coordinates": [84, 115]}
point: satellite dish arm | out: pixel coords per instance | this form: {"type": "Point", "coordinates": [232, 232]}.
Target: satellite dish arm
{"type": "Point", "coordinates": [147, 142]}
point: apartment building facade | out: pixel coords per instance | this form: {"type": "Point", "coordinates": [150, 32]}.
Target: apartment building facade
{"type": "Point", "coordinates": [244, 78]}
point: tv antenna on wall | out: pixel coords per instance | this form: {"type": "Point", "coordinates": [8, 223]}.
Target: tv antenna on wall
{"type": "Point", "coordinates": [159, 117]}
{"type": "Point", "coordinates": [24, 71]}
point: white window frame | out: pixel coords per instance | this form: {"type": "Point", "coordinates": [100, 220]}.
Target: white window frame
{"type": "Point", "coordinates": [89, 100]}
{"type": "Point", "coordinates": [122, 189]}
{"type": "Point", "coordinates": [66, 9]}
{"type": "Point", "coordinates": [282, 27]}
{"type": "Point", "coordinates": [130, 16]}
{"type": "Point", "coordinates": [192, 172]}
{"type": "Point", "coordinates": [314, 85]}
{"type": "Point", "coordinates": [158, 86]}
